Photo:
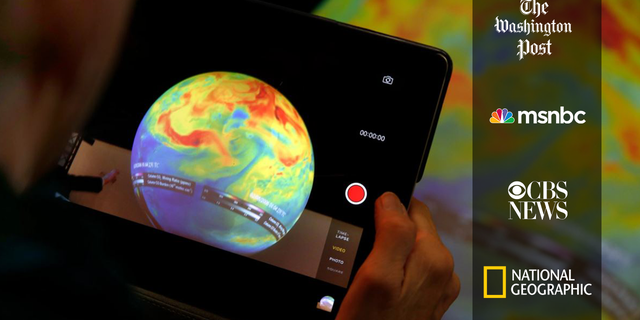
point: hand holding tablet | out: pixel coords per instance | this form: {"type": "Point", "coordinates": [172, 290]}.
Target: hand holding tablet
{"type": "Point", "coordinates": [408, 274]}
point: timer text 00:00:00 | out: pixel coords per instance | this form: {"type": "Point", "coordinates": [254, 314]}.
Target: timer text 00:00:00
{"type": "Point", "coordinates": [372, 135]}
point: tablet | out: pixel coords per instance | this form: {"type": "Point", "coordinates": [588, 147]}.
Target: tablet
{"type": "Point", "coordinates": [250, 144]}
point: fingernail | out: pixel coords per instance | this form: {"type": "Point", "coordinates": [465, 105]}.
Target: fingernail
{"type": "Point", "coordinates": [391, 202]}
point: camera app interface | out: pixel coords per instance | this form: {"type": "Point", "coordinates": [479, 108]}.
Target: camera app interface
{"type": "Point", "coordinates": [225, 159]}
{"type": "Point", "coordinates": [237, 131]}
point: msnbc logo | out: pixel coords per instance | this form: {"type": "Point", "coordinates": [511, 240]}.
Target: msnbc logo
{"type": "Point", "coordinates": [502, 116]}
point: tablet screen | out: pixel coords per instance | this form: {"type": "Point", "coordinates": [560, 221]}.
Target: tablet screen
{"type": "Point", "coordinates": [261, 132]}
{"type": "Point", "coordinates": [238, 195]}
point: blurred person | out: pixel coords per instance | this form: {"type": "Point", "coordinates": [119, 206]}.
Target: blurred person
{"type": "Point", "coordinates": [54, 58]}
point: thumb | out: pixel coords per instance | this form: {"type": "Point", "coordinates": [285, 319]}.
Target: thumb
{"type": "Point", "coordinates": [395, 231]}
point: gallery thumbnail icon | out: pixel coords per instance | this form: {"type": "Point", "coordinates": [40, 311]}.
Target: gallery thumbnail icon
{"type": "Point", "coordinates": [326, 303]}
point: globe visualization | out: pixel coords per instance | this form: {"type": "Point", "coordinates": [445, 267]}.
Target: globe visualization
{"type": "Point", "coordinates": [225, 159]}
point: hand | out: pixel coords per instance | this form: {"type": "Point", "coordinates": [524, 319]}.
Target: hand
{"type": "Point", "coordinates": [408, 274]}
{"type": "Point", "coordinates": [110, 177]}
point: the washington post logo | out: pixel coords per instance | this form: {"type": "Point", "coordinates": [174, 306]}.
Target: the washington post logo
{"type": "Point", "coordinates": [538, 200]}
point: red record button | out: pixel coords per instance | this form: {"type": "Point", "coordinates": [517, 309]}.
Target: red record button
{"type": "Point", "coordinates": [356, 193]}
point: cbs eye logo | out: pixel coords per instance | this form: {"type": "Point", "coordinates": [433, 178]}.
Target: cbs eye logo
{"type": "Point", "coordinates": [517, 190]}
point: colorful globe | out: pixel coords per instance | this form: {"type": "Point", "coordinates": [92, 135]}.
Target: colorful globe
{"type": "Point", "coordinates": [225, 159]}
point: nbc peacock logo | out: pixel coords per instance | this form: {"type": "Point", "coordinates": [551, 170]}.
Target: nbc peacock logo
{"type": "Point", "coordinates": [502, 116]}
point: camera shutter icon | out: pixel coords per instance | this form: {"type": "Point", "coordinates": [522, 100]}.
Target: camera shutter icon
{"type": "Point", "coordinates": [387, 80]}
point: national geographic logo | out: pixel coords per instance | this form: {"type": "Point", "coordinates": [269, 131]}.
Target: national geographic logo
{"type": "Point", "coordinates": [532, 282]}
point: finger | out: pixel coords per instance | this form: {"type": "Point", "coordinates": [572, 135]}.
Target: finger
{"type": "Point", "coordinates": [421, 216]}
{"type": "Point", "coordinates": [395, 232]}
{"type": "Point", "coordinates": [382, 274]}
{"type": "Point", "coordinates": [429, 270]}
{"type": "Point", "coordinates": [450, 295]}
{"type": "Point", "coordinates": [429, 267]}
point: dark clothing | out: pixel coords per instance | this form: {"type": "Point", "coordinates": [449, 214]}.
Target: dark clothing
{"type": "Point", "coordinates": [84, 183]}
{"type": "Point", "coordinates": [53, 263]}
{"type": "Point", "coordinates": [58, 181]}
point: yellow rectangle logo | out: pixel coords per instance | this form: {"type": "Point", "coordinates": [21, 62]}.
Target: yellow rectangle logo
{"type": "Point", "coordinates": [504, 281]}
